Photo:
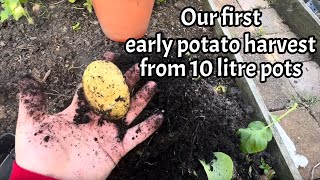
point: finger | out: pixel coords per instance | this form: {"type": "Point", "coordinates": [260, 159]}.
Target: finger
{"type": "Point", "coordinates": [140, 100]}
{"type": "Point", "coordinates": [141, 132]}
{"type": "Point", "coordinates": [31, 99]}
{"type": "Point", "coordinates": [132, 76]}
{"type": "Point", "coordinates": [109, 56]}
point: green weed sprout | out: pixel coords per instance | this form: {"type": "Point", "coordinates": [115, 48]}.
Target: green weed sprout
{"type": "Point", "coordinates": [161, 1]}
{"type": "Point", "coordinates": [256, 136]}
{"type": "Point", "coordinates": [76, 26]}
{"type": "Point", "coordinates": [14, 8]}
{"type": "Point", "coordinates": [87, 4]}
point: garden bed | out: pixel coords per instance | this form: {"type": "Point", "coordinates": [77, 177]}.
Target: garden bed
{"type": "Point", "coordinates": [198, 120]}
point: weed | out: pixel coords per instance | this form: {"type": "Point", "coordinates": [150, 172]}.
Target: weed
{"type": "Point", "coordinates": [87, 4]}
{"type": "Point", "coordinates": [272, 2]}
{"type": "Point", "coordinates": [261, 32]}
{"type": "Point", "coordinates": [15, 9]}
{"type": "Point", "coordinates": [267, 169]}
{"type": "Point", "coordinates": [161, 1]}
{"type": "Point", "coordinates": [220, 89]}
{"type": "Point", "coordinates": [311, 101]}
{"type": "Point", "coordinates": [76, 26]}
{"type": "Point", "coordinates": [264, 166]}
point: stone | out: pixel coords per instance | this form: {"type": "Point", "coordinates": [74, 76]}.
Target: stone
{"type": "Point", "coordinates": [308, 85]}
{"type": "Point", "coordinates": [247, 5]}
{"type": "Point", "coordinates": [272, 23]}
{"type": "Point", "coordinates": [277, 93]}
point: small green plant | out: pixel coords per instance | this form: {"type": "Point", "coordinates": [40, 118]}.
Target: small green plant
{"type": "Point", "coordinates": [161, 1]}
{"type": "Point", "coordinates": [267, 169]}
{"type": "Point", "coordinates": [261, 32]}
{"type": "Point", "coordinates": [264, 166]}
{"type": "Point", "coordinates": [272, 2]}
{"type": "Point", "coordinates": [256, 136]}
{"type": "Point", "coordinates": [15, 9]}
{"type": "Point", "coordinates": [220, 89]}
{"type": "Point", "coordinates": [87, 4]}
{"type": "Point", "coordinates": [197, 78]}
{"type": "Point", "coordinates": [220, 168]}
{"type": "Point", "coordinates": [76, 26]}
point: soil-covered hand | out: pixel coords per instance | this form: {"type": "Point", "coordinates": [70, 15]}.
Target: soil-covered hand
{"type": "Point", "coordinates": [77, 143]}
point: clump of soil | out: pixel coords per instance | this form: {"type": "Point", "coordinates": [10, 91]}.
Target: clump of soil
{"type": "Point", "coordinates": [81, 116]}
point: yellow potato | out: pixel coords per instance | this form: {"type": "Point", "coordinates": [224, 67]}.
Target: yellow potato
{"type": "Point", "coordinates": [105, 89]}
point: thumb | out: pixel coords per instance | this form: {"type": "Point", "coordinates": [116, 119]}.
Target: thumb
{"type": "Point", "coordinates": [31, 99]}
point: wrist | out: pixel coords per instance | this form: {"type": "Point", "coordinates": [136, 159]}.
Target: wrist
{"type": "Point", "coordinates": [21, 173]}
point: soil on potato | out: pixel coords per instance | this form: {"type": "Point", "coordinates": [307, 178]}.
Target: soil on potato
{"type": "Point", "coordinates": [197, 123]}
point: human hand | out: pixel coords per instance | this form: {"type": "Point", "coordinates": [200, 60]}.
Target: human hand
{"type": "Point", "coordinates": [55, 146]}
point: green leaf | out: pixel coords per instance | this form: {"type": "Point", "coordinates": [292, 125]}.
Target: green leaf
{"type": "Point", "coordinates": [4, 14]}
{"type": "Point", "coordinates": [161, 1]}
{"type": "Point", "coordinates": [12, 4]}
{"type": "Point", "coordinates": [23, 1]}
{"type": "Point", "coordinates": [76, 27]}
{"type": "Point", "coordinates": [88, 5]}
{"type": "Point", "coordinates": [220, 168]}
{"type": "Point", "coordinates": [255, 138]}
{"type": "Point", "coordinates": [72, 1]}
{"type": "Point", "coordinates": [264, 166]}
{"type": "Point", "coordinates": [18, 12]}
{"type": "Point", "coordinates": [14, 8]}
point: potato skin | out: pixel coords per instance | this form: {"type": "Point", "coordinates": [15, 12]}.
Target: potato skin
{"type": "Point", "coordinates": [106, 89]}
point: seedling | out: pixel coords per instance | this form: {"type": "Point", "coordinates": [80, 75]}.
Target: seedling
{"type": "Point", "coordinates": [220, 89]}
{"type": "Point", "coordinates": [14, 8]}
{"type": "Point", "coordinates": [267, 169]}
{"type": "Point", "coordinates": [256, 136]}
{"type": "Point", "coordinates": [76, 26]}
{"type": "Point", "coordinates": [264, 166]}
{"type": "Point", "coordinates": [220, 168]}
{"type": "Point", "coordinates": [261, 32]}
{"type": "Point", "coordinates": [161, 1]}
{"type": "Point", "coordinates": [272, 2]}
{"type": "Point", "coordinates": [87, 4]}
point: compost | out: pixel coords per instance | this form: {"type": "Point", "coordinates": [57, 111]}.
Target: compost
{"type": "Point", "coordinates": [198, 122]}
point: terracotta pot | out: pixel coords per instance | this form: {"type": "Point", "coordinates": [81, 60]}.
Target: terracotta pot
{"type": "Point", "coordinates": [123, 19]}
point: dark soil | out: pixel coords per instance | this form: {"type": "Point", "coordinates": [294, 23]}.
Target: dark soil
{"type": "Point", "coordinates": [197, 123]}
{"type": "Point", "coordinates": [7, 144]}
{"type": "Point", "coordinates": [81, 117]}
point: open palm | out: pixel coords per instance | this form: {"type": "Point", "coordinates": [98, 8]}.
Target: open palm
{"type": "Point", "coordinates": [56, 146]}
